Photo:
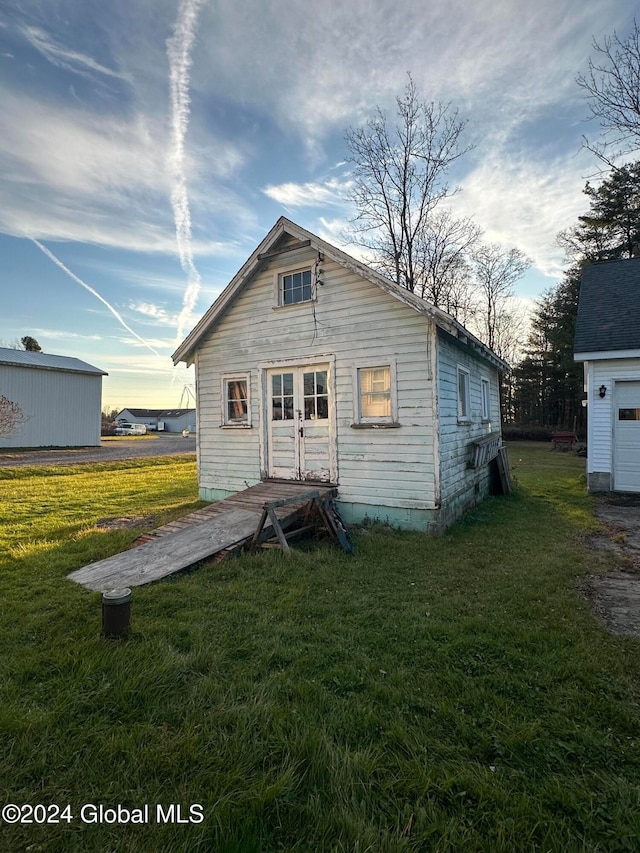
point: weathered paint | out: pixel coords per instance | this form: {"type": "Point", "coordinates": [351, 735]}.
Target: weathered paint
{"type": "Point", "coordinates": [461, 486]}
{"type": "Point", "coordinates": [400, 472]}
{"type": "Point", "coordinates": [352, 322]}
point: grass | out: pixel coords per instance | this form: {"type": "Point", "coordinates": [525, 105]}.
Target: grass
{"type": "Point", "coordinates": [426, 694]}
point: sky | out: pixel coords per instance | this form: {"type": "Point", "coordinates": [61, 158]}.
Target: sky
{"type": "Point", "coordinates": [148, 146]}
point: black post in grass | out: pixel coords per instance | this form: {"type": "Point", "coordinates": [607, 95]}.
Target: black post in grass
{"type": "Point", "coordinates": [116, 613]}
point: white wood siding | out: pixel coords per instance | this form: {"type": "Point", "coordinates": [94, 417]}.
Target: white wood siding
{"type": "Point", "coordinates": [455, 437]}
{"type": "Point", "coordinates": [600, 413]}
{"type": "Point", "coordinates": [355, 322]}
{"type": "Point", "coordinates": [63, 407]}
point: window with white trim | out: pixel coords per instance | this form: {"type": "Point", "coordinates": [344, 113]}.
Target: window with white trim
{"type": "Point", "coordinates": [464, 402]}
{"type": "Point", "coordinates": [295, 287]}
{"type": "Point", "coordinates": [374, 391]}
{"type": "Point", "coordinates": [235, 398]}
{"type": "Point", "coordinates": [485, 390]}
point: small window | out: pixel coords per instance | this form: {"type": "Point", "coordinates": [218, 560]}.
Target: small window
{"type": "Point", "coordinates": [236, 401]}
{"type": "Point", "coordinates": [629, 414]}
{"type": "Point", "coordinates": [294, 287]}
{"type": "Point", "coordinates": [486, 407]}
{"type": "Point", "coordinates": [375, 392]}
{"type": "Point", "coordinates": [464, 407]}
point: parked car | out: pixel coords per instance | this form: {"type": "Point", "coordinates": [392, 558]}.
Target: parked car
{"type": "Point", "coordinates": [131, 429]}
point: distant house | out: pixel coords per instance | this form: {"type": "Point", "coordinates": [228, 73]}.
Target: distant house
{"type": "Point", "coordinates": [608, 342]}
{"type": "Point", "coordinates": [167, 420]}
{"type": "Point", "coordinates": [59, 399]}
{"type": "Point", "coordinates": [312, 366]}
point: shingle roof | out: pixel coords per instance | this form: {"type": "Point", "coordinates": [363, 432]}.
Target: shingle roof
{"type": "Point", "coordinates": [46, 361]}
{"type": "Point", "coordinates": [609, 307]}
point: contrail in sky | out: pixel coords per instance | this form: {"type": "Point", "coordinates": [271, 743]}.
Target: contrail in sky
{"type": "Point", "coordinates": [95, 293]}
{"type": "Point", "coordinates": [179, 54]}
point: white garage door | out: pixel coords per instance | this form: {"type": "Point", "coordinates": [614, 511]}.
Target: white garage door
{"type": "Point", "coordinates": [626, 450]}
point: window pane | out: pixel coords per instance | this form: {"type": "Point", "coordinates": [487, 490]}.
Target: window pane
{"type": "Point", "coordinates": [321, 381]}
{"type": "Point", "coordinates": [287, 404]}
{"type": "Point", "coordinates": [309, 408]}
{"type": "Point", "coordinates": [276, 385]}
{"type": "Point", "coordinates": [237, 400]}
{"type": "Point", "coordinates": [375, 392]}
{"type": "Point", "coordinates": [463, 386]}
{"type": "Point", "coordinates": [296, 287]}
{"type": "Point", "coordinates": [287, 383]}
{"type": "Point", "coordinates": [322, 404]}
{"type": "Point", "coordinates": [629, 414]}
{"type": "Point", "coordinates": [485, 399]}
{"type": "Point", "coordinates": [309, 384]}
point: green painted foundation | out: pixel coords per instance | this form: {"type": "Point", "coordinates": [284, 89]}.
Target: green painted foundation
{"type": "Point", "coordinates": [431, 521]}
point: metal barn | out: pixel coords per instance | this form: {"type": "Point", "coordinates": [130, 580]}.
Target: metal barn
{"type": "Point", "coordinates": [48, 400]}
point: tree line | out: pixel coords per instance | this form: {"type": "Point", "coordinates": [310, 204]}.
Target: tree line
{"type": "Point", "coordinates": [399, 188]}
{"type": "Point", "coordinates": [547, 383]}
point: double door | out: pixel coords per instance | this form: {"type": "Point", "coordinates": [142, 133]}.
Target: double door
{"type": "Point", "coordinates": [299, 404]}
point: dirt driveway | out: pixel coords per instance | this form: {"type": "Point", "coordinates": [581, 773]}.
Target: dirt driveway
{"type": "Point", "coordinates": [616, 595]}
{"type": "Point", "coordinates": [110, 450]}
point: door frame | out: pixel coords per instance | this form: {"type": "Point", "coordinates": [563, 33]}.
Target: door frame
{"type": "Point", "coordinates": [263, 415]}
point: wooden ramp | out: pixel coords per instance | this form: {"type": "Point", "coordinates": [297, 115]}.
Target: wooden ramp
{"type": "Point", "coordinates": [221, 526]}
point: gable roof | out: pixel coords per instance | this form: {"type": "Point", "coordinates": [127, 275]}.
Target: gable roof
{"type": "Point", "coordinates": [262, 254]}
{"type": "Point", "coordinates": [46, 361]}
{"type": "Point", "coordinates": [609, 307]}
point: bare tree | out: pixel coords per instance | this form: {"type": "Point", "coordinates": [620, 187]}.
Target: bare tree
{"type": "Point", "coordinates": [444, 275]}
{"type": "Point", "coordinates": [496, 271]}
{"type": "Point", "coordinates": [399, 178]}
{"type": "Point", "coordinates": [612, 85]}
{"type": "Point", "coordinates": [12, 417]}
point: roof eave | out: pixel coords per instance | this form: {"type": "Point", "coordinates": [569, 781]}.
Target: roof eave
{"type": "Point", "coordinates": [185, 352]}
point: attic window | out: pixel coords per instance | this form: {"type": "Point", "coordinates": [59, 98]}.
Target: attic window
{"type": "Point", "coordinates": [294, 287]}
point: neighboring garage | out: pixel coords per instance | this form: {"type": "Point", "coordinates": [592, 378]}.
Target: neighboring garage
{"type": "Point", "coordinates": [49, 400]}
{"type": "Point", "coordinates": [626, 437]}
{"type": "Point", "coordinates": [608, 342]}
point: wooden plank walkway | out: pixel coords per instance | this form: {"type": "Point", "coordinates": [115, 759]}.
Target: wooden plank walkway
{"type": "Point", "coordinates": [218, 527]}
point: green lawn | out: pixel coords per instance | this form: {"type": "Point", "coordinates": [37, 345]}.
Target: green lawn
{"type": "Point", "coordinates": [451, 694]}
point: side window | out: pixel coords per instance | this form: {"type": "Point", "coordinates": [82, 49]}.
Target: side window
{"type": "Point", "coordinates": [235, 393]}
{"type": "Point", "coordinates": [374, 393]}
{"type": "Point", "coordinates": [464, 403]}
{"type": "Point", "coordinates": [486, 399]}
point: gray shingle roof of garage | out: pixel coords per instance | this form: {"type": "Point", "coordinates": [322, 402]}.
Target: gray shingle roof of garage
{"type": "Point", "coordinates": [45, 361]}
{"type": "Point", "coordinates": [609, 307]}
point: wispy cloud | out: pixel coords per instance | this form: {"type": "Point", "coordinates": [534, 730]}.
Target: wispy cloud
{"type": "Point", "coordinates": [522, 201]}
{"type": "Point", "coordinates": [154, 312]}
{"type": "Point", "coordinates": [311, 194]}
{"type": "Point", "coordinates": [179, 48]}
{"type": "Point", "coordinates": [65, 57]}
{"type": "Point", "coordinates": [93, 292]}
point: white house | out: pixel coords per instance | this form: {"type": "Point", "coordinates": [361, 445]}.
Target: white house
{"type": "Point", "coordinates": [58, 398]}
{"type": "Point", "coordinates": [312, 366]}
{"type": "Point", "coordinates": [167, 420]}
{"type": "Point", "coordinates": [608, 342]}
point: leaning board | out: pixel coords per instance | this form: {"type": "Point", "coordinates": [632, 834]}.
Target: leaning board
{"type": "Point", "coordinates": [168, 554]}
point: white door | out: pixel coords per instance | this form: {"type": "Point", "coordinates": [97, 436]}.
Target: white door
{"type": "Point", "coordinates": [626, 437]}
{"type": "Point", "coordinates": [298, 416]}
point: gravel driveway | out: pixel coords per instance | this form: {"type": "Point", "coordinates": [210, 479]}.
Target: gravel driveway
{"type": "Point", "coordinates": [109, 451]}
